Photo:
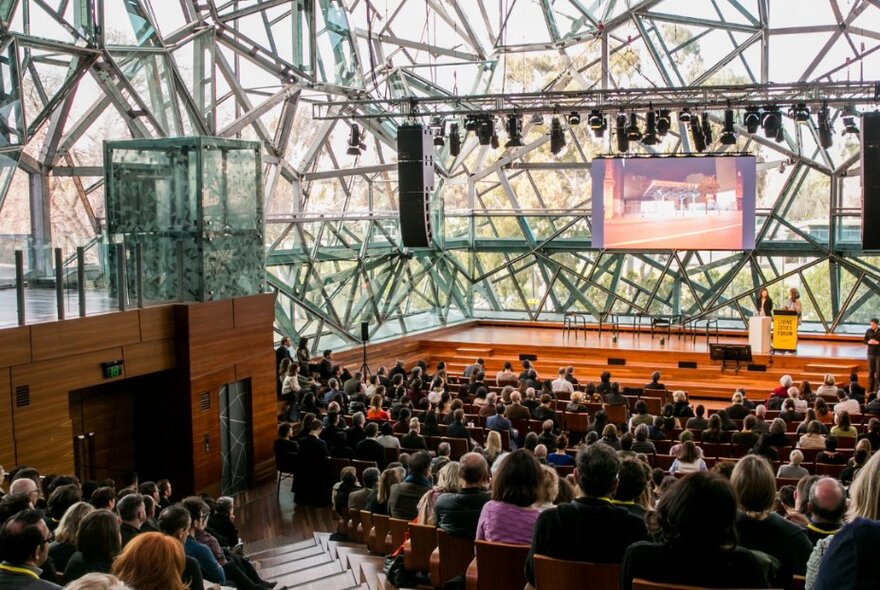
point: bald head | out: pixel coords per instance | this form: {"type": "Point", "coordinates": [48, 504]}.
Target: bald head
{"type": "Point", "coordinates": [26, 487]}
{"type": "Point", "coordinates": [473, 470]}
{"type": "Point", "coordinates": [541, 451]}
{"type": "Point", "coordinates": [827, 501]}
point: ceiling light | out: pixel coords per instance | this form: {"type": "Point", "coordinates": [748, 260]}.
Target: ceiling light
{"type": "Point", "coordinates": [752, 119]}
{"type": "Point", "coordinates": [574, 118]}
{"type": "Point", "coordinates": [849, 125]}
{"type": "Point", "coordinates": [598, 122]}
{"type": "Point", "coordinates": [800, 113]}
{"type": "Point", "coordinates": [438, 129]}
{"type": "Point", "coordinates": [514, 131]}
{"type": "Point", "coordinates": [620, 128]}
{"type": "Point", "coordinates": [771, 121]}
{"type": "Point", "coordinates": [664, 122]}
{"type": "Point", "coordinates": [485, 129]}
{"type": "Point", "coordinates": [826, 133]}
{"type": "Point", "coordinates": [684, 116]}
{"type": "Point", "coordinates": [697, 134]}
{"type": "Point", "coordinates": [633, 133]}
{"type": "Point", "coordinates": [355, 141]}
{"type": "Point", "coordinates": [557, 136]}
{"type": "Point", "coordinates": [470, 123]}
{"type": "Point", "coordinates": [728, 132]}
{"type": "Point", "coordinates": [650, 137]}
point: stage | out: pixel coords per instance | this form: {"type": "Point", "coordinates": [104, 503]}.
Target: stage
{"type": "Point", "coordinates": [683, 361]}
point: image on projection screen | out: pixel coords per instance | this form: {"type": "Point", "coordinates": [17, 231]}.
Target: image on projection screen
{"type": "Point", "coordinates": [684, 203]}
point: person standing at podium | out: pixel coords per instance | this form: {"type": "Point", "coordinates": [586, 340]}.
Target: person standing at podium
{"type": "Point", "coordinates": [793, 303]}
{"type": "Point", "coordinates": [765, 304]}
{"type": "Point", "coordinates": [872, 339]}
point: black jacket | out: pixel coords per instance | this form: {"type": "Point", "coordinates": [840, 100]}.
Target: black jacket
{"type": "Point", "coordinates": [458, 514]}
{"type": "Point", "coordinates": [370, 449]}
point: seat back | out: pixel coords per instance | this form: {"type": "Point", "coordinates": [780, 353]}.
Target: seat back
{"type": "Point", "coordinates": [422, 541]}
{"type": "Point", "coordinates": [455, 554]}
{"type": "Point", "coordinates": [360, 466]}
{"type": "Point", "coordinates": [366, 523]}
{"type": "Point", "coordinates": [336, 467]}
{"type": "Point", "coordinates": [500, 565]}
{"type": "Point", "coordinates": [577, 422]}
{"type": "Point", "coordinates": [639, 584]}
{"type": "Point", "coordinates": [560, 574]}
{"type": "Point", "coordinates": [616, 413]}
{"type": "Point", "coordinates": [397, 528]}
{"type": "Point", "coordinates": [457, 446]}
{"type": "Point", "coordinates": [378, 534]}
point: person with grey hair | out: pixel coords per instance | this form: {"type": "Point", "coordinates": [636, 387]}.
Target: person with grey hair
{"type": "Point", "coordinates": [559, 532]}
{"type": "Point", "coordinates": [793, 469]}
{"type": "Point", "coordinates": [357, 500]}
{"type": "Point", "coordinates": [516, 410]}
{"type": "Point", "coordinates": [641, 444]}
{"type": "Point", "coordinates": [458, 513]}
{"type": "Point", "coordinates": [221, 523]}
{"type": "Point", "coordinates": [826, 507]}
{"type": "Point", "coordinates": [440, 459]}
{"type": "Point", "coordinates": [355, 433]}
{"type": "Point", "coordinates": [97, 581]}
{"type": "Point", "coordinates": [736, 410]}
{"type": "Point", "coordinates": [780, 393]}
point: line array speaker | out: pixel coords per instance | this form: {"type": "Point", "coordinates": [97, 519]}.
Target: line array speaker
{"type": "Point", "coordinates": [415, 178]}
{"type": "Point", "coordinates": [870, 164]}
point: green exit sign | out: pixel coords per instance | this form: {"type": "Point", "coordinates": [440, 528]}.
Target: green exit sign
{"type": "Point", "coordinates": [112, 369]}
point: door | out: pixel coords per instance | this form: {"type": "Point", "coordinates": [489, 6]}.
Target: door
{"type": "Point", "coordinates": [103, 430]}
{"type": "Point", "coordinates": [235, 436]}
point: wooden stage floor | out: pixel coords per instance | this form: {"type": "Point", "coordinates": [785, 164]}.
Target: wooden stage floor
{"type": "Point", "coordinates": [811, 347]}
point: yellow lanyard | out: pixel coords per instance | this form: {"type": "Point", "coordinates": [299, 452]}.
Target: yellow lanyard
{"type": "Point", "coordinates": [19, 570]}
{"type": "Point", "coordinates": [623, 502]}
{"type": "Point", "coordinates": [813, 527]}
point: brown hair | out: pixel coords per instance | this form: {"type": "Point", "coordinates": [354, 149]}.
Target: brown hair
{"type": "Point", "coordinates": [754, 484]}
{"type": "Point", "coordinates": [98, 536]}
{"type": "Point", "coordinates": [519, 479]}
{"type": "Point", "coordinates": [152, 561]}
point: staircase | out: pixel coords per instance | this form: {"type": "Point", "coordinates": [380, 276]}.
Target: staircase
{"type": "Point", "coordinates": [321, 564]}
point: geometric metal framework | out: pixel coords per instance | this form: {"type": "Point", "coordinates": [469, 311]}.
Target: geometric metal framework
{"type": "Point", "coordinates": [514, 231]}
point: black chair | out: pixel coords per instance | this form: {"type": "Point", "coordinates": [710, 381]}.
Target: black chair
{"type": "Point", "coordinates": [285, 467]}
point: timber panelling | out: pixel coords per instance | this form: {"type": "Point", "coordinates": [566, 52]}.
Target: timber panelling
{"type": "Point", "coordinates": [7, 442]}
{"type": "Point", "coordinates": [58, 339]}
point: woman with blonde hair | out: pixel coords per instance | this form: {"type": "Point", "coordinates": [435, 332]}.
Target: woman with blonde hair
{"type": "Point", "coordinates": [493, 447]}
{"type": "Point", "coordinates": [828, 387]}
{"type": "Point", "coordinates": [151, 561]}
{"type": "Point", "coordinates": [549, 488]}
{"type": "Point", "coordinates": [377, 503]}
{"type": "Point", "coordinates": [98, 582]}
{"type": "Point", "coordinates": [447, 483]}
{"type": "Point", "coordinates": [64, 544]}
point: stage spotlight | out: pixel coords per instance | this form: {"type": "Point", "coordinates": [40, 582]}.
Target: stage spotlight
{"type": "Point", "coordinates": [633, 133]}
{"type": "Point", "coordinates": [485, 130]}
{"type": "Point", "coordinates": [438, 130]}
{"type": "Point", "coordinates": [849, 125]}
{"type": "Point", "coordinates": [574, 118]}
{"type": "Point", "coordinates": [650, 137]}
{"type": "Point", "coordinates": [664, 122]}
{"type": "Point", "coordinates": [707, 129]}
{"type": "Point", "coordinates": [684, 116]}
{"type": "Point", "coordinates": [355, 141]}
{"type": "Point", "coordinates": [826, 133]}
{"type": "Point", "coordinates": [598, 122]}
{"type": "Point", "coordinates": [800, 112]}
{"type": "Point", "coordinates": [514, 131]}
{"type": "Point", "coordinates": [557, 136]}
{"type": "Point", "coordinates": [728, 133]}
{"type": "Point", "coordinates": [771, 121]}
{"type": "Point", "coordinates": [622, 139]}
{"type": "Point", "coordinates": [697, 134]}
{"type": "Point", "coordinates": [471, 123]}
{"type": "Point", "coordinates": [454, 140]}
{"type": "Point", "coordinates": [752, 119]}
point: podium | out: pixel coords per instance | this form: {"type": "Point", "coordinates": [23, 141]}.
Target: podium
{"type": "Point", "coordinates": [759, 334]}
{"type": "Point", "coordinates": [785, 326]}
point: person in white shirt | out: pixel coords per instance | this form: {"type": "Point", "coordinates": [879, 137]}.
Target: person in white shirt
{"type": "Point", "coordinates": [800, 404]}
{"type": "Point", "coordinates": [844, 403]}
{"type": "Point", "coordinates": [505, 375]}
{"type": "Point", "coordinates": [561, 384]}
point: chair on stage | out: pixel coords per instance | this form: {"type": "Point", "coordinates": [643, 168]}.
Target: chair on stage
{"type": "Point", "coordinates": [561, 574]}
{"type": "Point", "coordinates": [497, 565]}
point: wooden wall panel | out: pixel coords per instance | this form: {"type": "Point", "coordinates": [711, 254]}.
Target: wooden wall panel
{"type": "Point", "coordinates": [254, 312]}
{"type": "Point", "coordinates": [211, 317]}
{"type": "Point", "coordinates": [57, 339]}
{"type": "Point", "coordinates": [7, 442]}
{"type": "Point", "coordinates": [15, 346]}
{"type": "Point", "coordinates": [157, 323]}
{"type": "Point", "coordinates": [149, 357]}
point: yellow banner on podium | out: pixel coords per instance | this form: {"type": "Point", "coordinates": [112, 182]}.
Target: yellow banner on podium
{"type": "Point", "coordinates": [785, 325]}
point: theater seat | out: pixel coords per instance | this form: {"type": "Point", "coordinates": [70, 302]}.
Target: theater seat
{"type": "Point", "coordinates": [560, 574]}
{"type": "Point", "coordinates": [639, 584]}
{"type": "Point", "coordinates": [497, 565]}
{"type": "Point", "coordinates": [451, 558]}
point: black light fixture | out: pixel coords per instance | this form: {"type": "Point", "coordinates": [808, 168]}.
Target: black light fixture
{"type": "Point", "coordinates": [752, 119]}
{"type": "Point", "coordinates": [650, 136]}
{"type": "Point", "coordinates": [707, 129]}
{"type": "Point", "coordinates": [493, 140]}
{"type": "Point", "coordinates": [633, 133]}
{"type": "Point", "coordinates": [454, 140]}
{"type": "Point", "coordinates": [485, 129]}
{"type": "Point", "coordinates": [849, 124]}
{"type": "Point", "coordinates": [664, 122]}
{"type": "Point", "coordinates": [574, 118]}
{"type": "Point", "coordinates": [728, 132]}
{"type": "Point", "coordinates": [514, 131]}
{"type": "Point", "coordinates": [355, 141]}
{"type": "Point", "coordinates": [800, 112]}
{"type": "Point", "coordinates": [557, 136]}
{"type": "Point", "coordinates": [697, 134]}
{"type": "Point", "coordinates": [471, 123]}
{"type": "Point", "coordinates": [438, 130]}
{"type": "Point", "coordinates": [620, 132]}
{"type": "Point", "coordinates": [826, 133]}
{"type": "Point", "coordinates": [684, 116]}
{"type": "Point", "coordinates": [598, 122]}
{"type": "Point", "coordinates": [771, 121]}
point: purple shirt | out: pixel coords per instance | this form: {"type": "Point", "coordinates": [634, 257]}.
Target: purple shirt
{"type": "Point", "coordinates": [501, 522]}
